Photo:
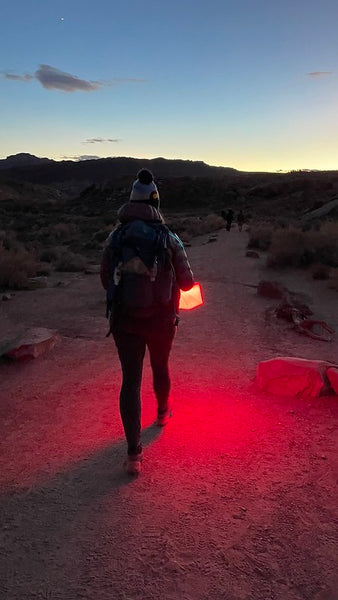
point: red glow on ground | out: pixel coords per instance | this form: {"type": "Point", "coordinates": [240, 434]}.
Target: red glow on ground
{"type": "Point", "coordinates": [209, 421]}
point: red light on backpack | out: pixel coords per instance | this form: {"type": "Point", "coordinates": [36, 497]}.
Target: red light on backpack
{"type": "Point", "coordinates": [192, 298]}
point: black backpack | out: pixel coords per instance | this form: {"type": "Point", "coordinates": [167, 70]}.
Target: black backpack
{"type": "Point", "coordinates": [141, 274]}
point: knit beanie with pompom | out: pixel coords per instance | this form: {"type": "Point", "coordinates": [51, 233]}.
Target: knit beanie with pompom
{"type": "Point", "coordinates": [144, 189]}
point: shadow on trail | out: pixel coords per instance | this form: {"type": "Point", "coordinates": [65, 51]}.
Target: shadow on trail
{"type": "Point", "coordinates": [39, 524]}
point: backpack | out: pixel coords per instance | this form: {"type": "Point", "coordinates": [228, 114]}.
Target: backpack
{"type": "Point", "coordinates": [141, 274]}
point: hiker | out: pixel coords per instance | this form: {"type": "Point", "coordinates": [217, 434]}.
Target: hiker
{"type": "Point", "coordinates": [240, 220]}
{"type": "Point", "coordinates": [144, 265]}
{"type": "Point", "coordinates": [229, 219]}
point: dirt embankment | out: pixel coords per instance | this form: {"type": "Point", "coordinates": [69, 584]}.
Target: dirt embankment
{"type": "Point", "coordinates": [237, 499]}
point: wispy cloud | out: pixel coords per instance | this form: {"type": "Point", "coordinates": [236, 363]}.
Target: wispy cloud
{"type": "Point", "coordinates": [13, 77]}
{"type": "Point", "coordinates": [52, 78]}
{"type": "Point", "coordinates": [317, 74]}
{"type": "Point", "coordinates": [100, 140]}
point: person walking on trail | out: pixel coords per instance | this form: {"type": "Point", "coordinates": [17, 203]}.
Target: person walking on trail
{"type": "Point", "coordinates": [144, 266]}
{"type": "Point", "coordinates": [240, 220]}
{"type": "Point", "coordinates": [229, 219]}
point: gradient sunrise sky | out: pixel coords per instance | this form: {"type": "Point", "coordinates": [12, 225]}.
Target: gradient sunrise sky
{"type": "Point", "coordinates": [247, 84]}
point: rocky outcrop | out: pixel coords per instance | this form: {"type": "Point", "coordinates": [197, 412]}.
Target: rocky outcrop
{"type": "Point", "coordinates": [322, 211]}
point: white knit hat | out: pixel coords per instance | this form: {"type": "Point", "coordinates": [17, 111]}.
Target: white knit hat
{"type": "Point", "coordinates": [144, 189]}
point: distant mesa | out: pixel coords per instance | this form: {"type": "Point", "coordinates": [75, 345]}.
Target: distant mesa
{"type": "Point", "coordinates": [23, 159]}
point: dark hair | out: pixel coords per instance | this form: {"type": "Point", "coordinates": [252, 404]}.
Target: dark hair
{"type": "Point", "coordinates": [145, 176]}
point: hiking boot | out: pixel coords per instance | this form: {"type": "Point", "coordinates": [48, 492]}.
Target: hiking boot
{"type": "Point", "coordinates": [163, 417]}
{"type": "Point", "coordinates": [133, 464]}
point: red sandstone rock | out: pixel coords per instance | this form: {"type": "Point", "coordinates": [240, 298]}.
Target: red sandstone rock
{"type": "Point", "coordinates": [291, 376]}
{"type": "Point", "coordinates": [33, 343]}
{"type": "Point", "coordinates": [332, 374]}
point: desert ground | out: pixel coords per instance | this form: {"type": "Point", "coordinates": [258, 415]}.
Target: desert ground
{"type": "Point", "coordinates": [238, 495]}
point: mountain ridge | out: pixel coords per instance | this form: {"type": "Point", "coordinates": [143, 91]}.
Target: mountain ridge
{"type": "Point", "coordinates": [30, 168]}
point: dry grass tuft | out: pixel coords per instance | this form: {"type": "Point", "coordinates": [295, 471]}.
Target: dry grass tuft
{"type": "Point", "coordinates": [289, 248]}
{"type": "Point", "coordinates": [70, 262]}
{"type": "Point", "coordinates": [292, 247]}
{"type": "Point", "coordinates": [16, 266]}
{"type": "Point", "coordinates": [189, 227]}
{"type": "Point", "coordinates": [260, 236]}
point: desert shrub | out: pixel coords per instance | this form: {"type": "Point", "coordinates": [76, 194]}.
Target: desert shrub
{"type": "Point", "coordinates": [320, 271]}
{"type": "Point", "coordinates": [16, 266]}
{"type": "Point", "coordinates": [9, 240]}
{"type": "Point", "coordinates": [333, 281]}
{"type": "Point", "coordinates": [297, 248]}
{"type": "Point", "coordinates": [64, 230]}
{"type": "Point", "coordinates": [70, 262]}
{"type": "Point", "coordinates": [288, 247]}
{"type": "Point", "coordinates": [260, 236]}
{"type": "Point", "coordinates": [214, 222]}
{"type": "Point", "coordinates": [49, 255]}
{"type": "Point", "coordinates": [44, 269]}
{"type": "Point", "coordinates": [188, 227]}
{"type": "Point", "coordinates": [102, 234]}
{"type": "Point", "coordinates": [325, 243]}
{"type": "Point", "coordinates": [57, 233]}
{"type": "Point", "coordinates": [110, 218]}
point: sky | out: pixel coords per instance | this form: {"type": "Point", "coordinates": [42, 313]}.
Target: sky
{"type": "Point", "coordinates": [246, 84]}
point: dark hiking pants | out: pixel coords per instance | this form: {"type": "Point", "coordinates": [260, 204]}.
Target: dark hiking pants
{"type": "Point", "coordinates": [131, 339]}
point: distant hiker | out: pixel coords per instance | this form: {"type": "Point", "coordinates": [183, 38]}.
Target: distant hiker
{"type": "Point", "coordinates": [240, 220]}
{"type": "Point", "coordinates": [229, 219]}
{"type": "Point", "coordinates": [144, 265]}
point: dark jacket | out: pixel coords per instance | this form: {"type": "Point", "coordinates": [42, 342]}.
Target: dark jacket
{"type": "Point", "coordinates": [145, 212]}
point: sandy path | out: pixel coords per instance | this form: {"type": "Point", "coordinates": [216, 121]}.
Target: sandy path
{"type": "Point", "coordinates": [238, 495]}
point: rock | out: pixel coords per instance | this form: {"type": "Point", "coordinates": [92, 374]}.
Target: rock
{"type": "Point", "coordinates": [291, 376]}
{"type": "Point", "coordinates": [35, 283]}
{"type": "Point", "coordinates": [332, 374]}
{"type": "Point", "coordinates": [252, 254]}
{"type": "Point", "coordinates": [33, 343]}
{"type": "Point", "coordinates": [321, 211]}
{"type": "Point", "coordinates": [271, 289]}
{"type": "Point", "coordinates": [92, 269]}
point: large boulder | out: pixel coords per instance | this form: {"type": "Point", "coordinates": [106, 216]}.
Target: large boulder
{"type": "Point", "coordinates": [332, 374]}
{"type": "Point", "coordinates": [291, 376]}
{"type": "Point", "coordinates": [32, 344]}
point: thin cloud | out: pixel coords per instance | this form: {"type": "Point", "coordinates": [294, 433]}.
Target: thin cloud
{"type": "Point", "coordinates": [14, 77]}
{"type": "Point", "coordinates": [52, 78]}
{"type": "Point", "coordinates": [101, 140]}
{"type": "Point", "coordinates": [317, 74]}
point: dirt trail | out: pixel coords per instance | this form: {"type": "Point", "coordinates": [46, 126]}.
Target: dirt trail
{"type": "Point", "coordinates": [238, 495]}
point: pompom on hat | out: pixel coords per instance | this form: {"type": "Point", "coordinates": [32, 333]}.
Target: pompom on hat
{"type": "Point", "coordinates": [144, 189]}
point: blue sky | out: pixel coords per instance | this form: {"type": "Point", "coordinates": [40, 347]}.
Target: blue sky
{"type": "Point", "coordinates": [242, 84]}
